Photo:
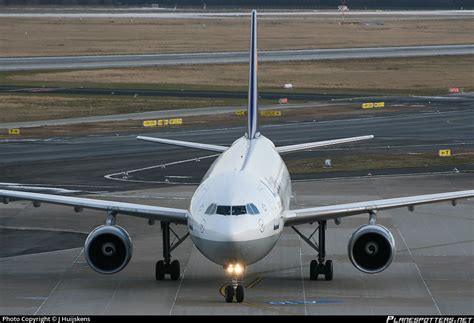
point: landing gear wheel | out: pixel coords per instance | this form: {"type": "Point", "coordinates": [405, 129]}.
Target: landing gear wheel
{"type": "Point", "coordinates": [328, 270]}
{"type": "Point", "coordinates": [321, 269]}
{"type": "Point", "coordinates": [239, 294]}
{"type": "Point", "coordinates": [160, 270]}
{"type": "Point", "coordinates": [229, 294]}
{"type": "Point", "coordinates": [175, 270]}
{"type": "Point", "coordinates": [313, 270]}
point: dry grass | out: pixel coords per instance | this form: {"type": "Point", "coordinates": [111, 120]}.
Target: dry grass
{"type": "Point", "coordinates": [377, 161]}
{"type": "Point", "coordinates": [18, 107]}
{"type": "Point", "coordinates": [395, 75]}
{"type": "Point", "coordinates": [55, 37]}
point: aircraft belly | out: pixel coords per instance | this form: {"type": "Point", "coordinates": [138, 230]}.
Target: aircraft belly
{"type": "Point", "coordinates": [245, 252]}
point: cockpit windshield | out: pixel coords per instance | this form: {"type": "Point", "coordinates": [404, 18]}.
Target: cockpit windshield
{"type": "Point", "coordinates": [232, 210]}
{"type": "Point", "coordinates": [211, 209]}
{"type": "Point", "coordinates": [252, 209]}
{"type": "Point", "coordinates": [238, 210]}
{"type": "Point", "coordinates": [223, 209]}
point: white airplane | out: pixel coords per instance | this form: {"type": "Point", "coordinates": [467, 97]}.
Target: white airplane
{"type": "Point", "coordinates": [239, 210]}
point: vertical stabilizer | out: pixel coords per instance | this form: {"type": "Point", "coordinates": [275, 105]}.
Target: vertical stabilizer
{"type": "Point", "coordinates": [252, 111]}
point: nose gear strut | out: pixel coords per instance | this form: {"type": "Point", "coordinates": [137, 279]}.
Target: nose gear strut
{"type": "Point", "coordinates": [235, 287]}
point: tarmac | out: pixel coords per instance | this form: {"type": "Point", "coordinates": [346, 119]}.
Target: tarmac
{"type": "Point", "coordinates": [142, 60]}
{"type": "Point", "coordinates": [432, 272]}
{"type": "Point", "coordinates": [88, 162]}
{"type": "Point", "coordinates": [43, 269]}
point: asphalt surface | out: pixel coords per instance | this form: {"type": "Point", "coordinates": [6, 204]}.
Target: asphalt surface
{"type": "Point", "coordinates": [108, 61]}
{"type": "Point", "coordinates": [175, 93]}
{"type": "Point", "coordinates": [432, 272]}
{"type": "Point", "coordinates": [38, 241]}
{"type": "Point", "coordinates": [173, 13]}
{"type": "Point", "coordinates": [43, 269]}
{"type": "Point", "coordinates": [81, 162]}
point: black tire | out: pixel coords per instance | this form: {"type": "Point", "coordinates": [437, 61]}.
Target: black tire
{"type": "Point", "coordinates": [328, 270]}
{"type": "Point", "coordinates": [175, 270]}
{"type": "Point", "coordinates": [313, 270]}
{"type": "Point", "coordinates": [160, 270]}
{"type": "Point", "coordinates": [229, 294]}
{"type": "Point", "coordinates": [239, 294]}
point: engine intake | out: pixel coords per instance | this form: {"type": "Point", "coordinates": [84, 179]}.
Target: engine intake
{"type": "Point", "coordinates": [108, 249]}
{"type": "Point", "coordinates": [371, 248]}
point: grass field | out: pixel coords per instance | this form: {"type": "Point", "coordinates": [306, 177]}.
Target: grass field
{"type": "Point", "coordinates": [377, 161]}
{"type": "Point", "coordinates": [89, 36]}
{"type": "Point", "coordinates": [422, 75]}
{"type": "Point", "coordinates": [29, 107]}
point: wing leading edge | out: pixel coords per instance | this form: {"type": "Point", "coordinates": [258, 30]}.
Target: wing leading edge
{"type": "Point", "coordinates": [139, 210]}
{"type": "Point", "coordinates": [321, 213]}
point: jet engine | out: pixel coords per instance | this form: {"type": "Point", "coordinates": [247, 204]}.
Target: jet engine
{"type": "Point", "coordinates": [371, 248]}
{"type": "Point", "coordinates": [108, 249]}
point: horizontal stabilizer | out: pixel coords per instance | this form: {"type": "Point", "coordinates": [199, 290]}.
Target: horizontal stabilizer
{"type": "Point", "coordinates": [185, 144]}
{"type": "Point", "coordinates": [317, 144]}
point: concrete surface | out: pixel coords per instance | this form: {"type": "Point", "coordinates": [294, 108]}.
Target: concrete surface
{"type": "Point", "coordinates": [432, 273]}
{"type": "Point", "coordinates": [109, 61]}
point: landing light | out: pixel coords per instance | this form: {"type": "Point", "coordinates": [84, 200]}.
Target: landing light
{"type": "Point", "coordinates": [235, 269]}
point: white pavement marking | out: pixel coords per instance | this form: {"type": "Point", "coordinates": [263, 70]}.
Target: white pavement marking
{"type": "Point", "coordinates": [116, 285]}
{"type": "Point", "coordinates": [47, 297]}
{"type": "Point", "coordinates": [177, 291]}
{"type": "Point", "coordinates": [419, 272]}
{"type": "Point", "coordinates": [125, 174]}
{"type": "Point", "coordinates": [302, 277]}
{"type": "Point", "coordinates": [59, 282]}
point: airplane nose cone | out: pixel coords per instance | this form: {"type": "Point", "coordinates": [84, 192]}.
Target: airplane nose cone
{"type": "Point", "coordinates": [232, 232]}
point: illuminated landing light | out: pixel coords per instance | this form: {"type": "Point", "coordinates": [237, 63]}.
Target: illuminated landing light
{"type": "Point", "coordinates": [237, 269]}
{"type": "Point", "coordinates": [234, 269]}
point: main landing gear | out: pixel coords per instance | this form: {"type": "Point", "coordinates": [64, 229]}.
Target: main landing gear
{"type": "Point", "coordinates": [320, 266]}
{"type": "Point", "coordinates": [166, 266]}
{"type": "Point", "coordinates": [235, 289]}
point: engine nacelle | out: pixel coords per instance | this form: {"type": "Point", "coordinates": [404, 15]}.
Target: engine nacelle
{"type": "Point", "coordinates": [371, 248]}
{"type": "Point", "coordinates": [108, 249]}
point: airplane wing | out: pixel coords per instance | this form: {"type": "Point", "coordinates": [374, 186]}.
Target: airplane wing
{"type": "Point", "coordinates": [188, 144]}
{"type": "Point", "coordinates": [139, 210]}
{"type": "Point", "coordinates": [321, 213]}
{"type": "Point", "coordinates": [316, 144]}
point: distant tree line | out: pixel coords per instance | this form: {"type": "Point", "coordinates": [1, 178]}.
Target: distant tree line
{"type": "Point", "coordinates": [356, 4]}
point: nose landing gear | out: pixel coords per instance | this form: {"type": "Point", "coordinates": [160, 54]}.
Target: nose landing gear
{"type": "Point", "coordinates": [235, 288]}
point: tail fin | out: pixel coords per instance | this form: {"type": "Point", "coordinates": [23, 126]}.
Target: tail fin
{"type": "Point", "coordinates": [252, 112]}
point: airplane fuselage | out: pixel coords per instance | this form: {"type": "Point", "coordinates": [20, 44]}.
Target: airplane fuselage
{"type": "Point", "coordinates": [236, 212]}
